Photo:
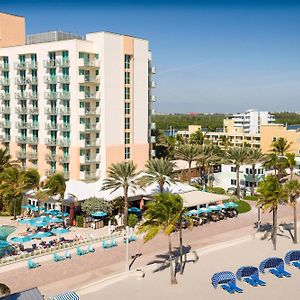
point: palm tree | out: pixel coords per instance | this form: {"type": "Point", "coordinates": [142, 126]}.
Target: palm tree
{"type": "Point", "coordinates": [122, 176]}
{"type": "Point", "coordinates": [197, 137]}
{"type": "Point", "coordinates": [279, 164]}
{"type": "Point", "coordinates": [160, 170]}
{"type": "Point", "coordinates": [291, 163]}
{"type": "Point", "coordinates": [162, 214]}
{"type": "Point", "coordinates": [293, 190]}
{"type": "Point", "coordinates": [237, 156]}
{"type": "Point", "coordinates": [189, 153]}
{"type": "Point", "coordinates": [255, 157]}
{"type": "Point", "coordinates": [225, 141]}
{"type": "Point", "coordinates": [5, 160]}
{"type": "Point", "coordinates": [56, 186]}
{"type": "Point", "coordinates": [281, 146]}
{"type": "Point", "coordinates": [270, 194]}
{"type": "Point", "coordinates": [14, 183]}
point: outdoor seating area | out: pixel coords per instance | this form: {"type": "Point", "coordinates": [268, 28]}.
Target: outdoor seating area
{"type": "Point", "coordinates": [107, 245]}
{"type": "Point", "coordinates": [250, 274]}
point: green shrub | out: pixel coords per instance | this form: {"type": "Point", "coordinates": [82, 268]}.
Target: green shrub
{"type": "Point", "coordinates": [250, 198]}
{"type": "Point", "coordinates": [132, 220]}
{"type": "Point", "coordinates": [79, 221]}
{"type": "Point", "coordinates": [243, 207]}
{"type": "Point", "coordinates": [4, 214]}
{"type": "Point", "coordinates": [216, 190]}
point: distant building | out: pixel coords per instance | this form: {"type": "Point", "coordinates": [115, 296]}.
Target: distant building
{"type": "Point", "coordinates": [185, 134]}
{"type": "Point", "coordinates": [247, 122]}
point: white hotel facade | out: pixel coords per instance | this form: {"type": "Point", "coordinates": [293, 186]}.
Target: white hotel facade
{"type": "Point", "coordinates": [74, 105]}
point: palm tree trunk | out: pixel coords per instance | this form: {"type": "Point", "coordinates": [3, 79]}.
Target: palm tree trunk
{"type": "Point", "coordinates": [172, 273]}
{"type": "Point", "coordinates": [295, 224]}
{"type": "Point", "coordinates": [190, 171]}
{"type": "Point", "coordinates": [274, 227]}
{"type": "Point", "coordinates": [15, 208]}
{"type": "Point", "coordinates": [180, 244]}
{"type": "Point", "coordinates": [291, 178]}
{"type": "Point", "coordinates": [238, 192]}
{"type": "Point", "coordinates": [126, 205]}
{"type": "Point", "coordinates": [253, 180]}
{"type": "Point", "coordinates": [258, 219]}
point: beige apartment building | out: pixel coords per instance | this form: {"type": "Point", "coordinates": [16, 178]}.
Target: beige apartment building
{"type": "Point", "coordinates": [74, 104]}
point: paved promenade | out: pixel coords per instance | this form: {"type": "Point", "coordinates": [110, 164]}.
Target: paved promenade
{"type": "Point", "coordinates": [52, 277]}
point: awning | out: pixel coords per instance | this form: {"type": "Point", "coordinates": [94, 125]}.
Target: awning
{"type": "Point", "coordinates": [195, 198]}
{"type": "Point", "coordinates": [31, 294]}
{"type": "Point", "coordinates": [66, 296]}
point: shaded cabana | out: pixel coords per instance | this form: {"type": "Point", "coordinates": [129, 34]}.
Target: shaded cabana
{"type": "Point", "coordinates": [246, 271]}
{"type": "Point", "coordinates": [222, 278]}
{"type": "Point", "coordinates": [271, 262]}
{"type": "Point", "coordinates": [292, 256]}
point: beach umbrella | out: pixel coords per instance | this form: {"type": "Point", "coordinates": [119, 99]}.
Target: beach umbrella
{"type": "Point", "coordinates": [99, 214]}
{"type": "Point", "coordinates": [222, 206]}
{"type": "Point", "coordinates": [215, 207]}
{"type": "Point", "coordinates": [25, 221]}
{"type": "Point", "coordinates": [65, 214]}
{"type": "Point", "coordinates": [21, 239]}
{"type": "Point", "coordinates": [60, 231]}
{"type": "Point", "coordinates": [28, 206]}
{"type": "Point", "coordinates": [230, 205]}
{"type": "Point", "coordinates": [40, 235]}
{"type": "Point", "coordinates": [192, 212]}
{"type": "Point", "coordinates": [204, 210]}
{"type": "Point", "coordinates": [37, 223]}
{"type": "Point", "coordinates": [56, 220]}
{"type": "Point", "coordinates": [4, 244]}
{"type": "Point", "coordinates": [134, 210]}
{"type": "Point", "coordinates": [43, 219]}
{"type": "Point", "coordinates": [52, 212]}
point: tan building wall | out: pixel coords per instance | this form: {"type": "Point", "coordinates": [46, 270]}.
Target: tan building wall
{"type": "Point", "coordinates": [12, 30]}
{"type": "Point", "coordinates": [271, 132]}
{"type": "Point", "coordinates": [228, 127]}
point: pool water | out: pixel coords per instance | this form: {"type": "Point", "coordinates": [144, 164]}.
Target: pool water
{"type": "Point", "coordinates": [5, 231]}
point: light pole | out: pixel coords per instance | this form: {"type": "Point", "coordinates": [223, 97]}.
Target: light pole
{"type": "Point", "coordinates": [126, 237]}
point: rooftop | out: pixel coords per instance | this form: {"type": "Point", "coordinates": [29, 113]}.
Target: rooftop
{"type": "Point", "coordinates": [51, 36]}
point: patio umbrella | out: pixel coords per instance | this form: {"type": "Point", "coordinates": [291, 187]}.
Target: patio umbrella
{"type": "Point", "coordinates": [230, 205]}
{"type": "Point", "coordinates": [25, 221]}
{"type": "Point", "coordinates": [4, 244]}
{"type": "Point", "coordinates": [204, 210]}
{"type": "Point", "coordinates": [62, 214]}
{"type": "Point", "coordinates": [134, 210]}
{"type": "Point", "coordinates": [215, 207]}
{"type": "Point", "coordinates": [43, 219]}
{"type": "Point", "coordinates": [60, 231]}
{"type": "Point", "coordinates": [99, 214]}
{"type": "Point", "coordinates": [192, 212]}
{"type": "Point", "coordinates": [20, 239]}
{"type": "Point", "coordinates": [36, 223]}
{"type": "Point", "coordinates": [28, 206]}
{"type": "Point", "coordinates": [56, 220]}
{"type": "Point", "coordinates": [221, 206]}
{"type": "Point", "coordinates": [40, 235]}
{"type": "Point", "coordinates": [52, 212]}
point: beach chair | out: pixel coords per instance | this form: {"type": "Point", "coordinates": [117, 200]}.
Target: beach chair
{"type": "Point", "coordinates": [250, 281]}
{"type": "Point", "coordinates": [276, 273]}
{"type": "Point", "coordinates": [226, 288]}
{"type": "Point", "coordinates": [91, 249]}
{"type": "Point", "coordinates": [31, 264]}
{"type": "Point", "coordinates": [79, 251]}
{"type": "Point", "coordinates": [57, 258]}
{"type": "Point", "coordinates": [67, 254]}
{"type": "Point", "coordinates": [296, 264]}
{"type": "Point", "coordinates": [132, 238]}
{"type": "Point", "coordinates": [104, 244]}
{"type": "Point", "coordinates": [259, 281]}
{"type": "Point", "coordinates": [234, 287]}
{"type": "Point", "coordinates": [113, 243]}
{"type": "Point", "coordinates": [284, 272]}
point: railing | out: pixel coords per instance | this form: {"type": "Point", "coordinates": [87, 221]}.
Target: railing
{"type": "Point", "coordinates": [4, 96]}
{"type": "Point", "coordinates": [50, 79]}
{"type": "Point", "coordinates": [90, 127]}
{"type": "Point", "coordinates": [21, 140]}
{"type": "Point", "coordinates": [64, 111]}
{"type": "Point", "coordinates": [20, 80]}
{"type": "Point", "coordinates": [90, 143]}
{"type": "Point", "coordinates": [63, 79]}
{"type": "Point", "coordinates": [51, 110]}
{"type": "Point", "coordinates": [64, 127]}
{"type": "Point", "coordinates": [32, 95]}
{"type": "Point", "coordinates": [5, 138]}
{"type": "Point", "coordinates": [4, 81]}
{"type": "Point", "coordinates": [50, 172]}
{"type": "Point", "coordinates": [5, 110]}
{"type": "Point", "coordinates": [20, 65]}
{"type": "Point", "coordinates": [51, 142]}
{"type": "Point", "coordinates": [22, 110]}
{"type": "Point", "coordinates": [51, 126]}
{"type": "Point", "coordinates": [51, 157]}
{"type": "Point", "coordinates": [4, 67]}
{"type": "Point", "coordinates": [5, 124]}
{"type": "Point", "coordinates": [20, 96]}
{"type": "Point", "coordinates": [64, 95]}
{"type": "Point", "coordinates": [33, 111]}
{"type": "Point", "coordinates": [53, 63]}
{"type": "Point", "coordinates": [64, 159]}
{"type": "Point", "coordinates": [23, 125]}
{"type": "Point", "coordinates": [32, 140]}
{"type": "Point", "coordinates": [32, 80]}
{"type": "Point", "coordinates": [21, 154]}
{"type": "Point", "coordinates": [64, 142]}
{"type": "Point", "coordinates": [32, 65]}
{"type": "Point", "coordinates": [32, 155]}
{"type": "Point", "coordinates": [51, 95]}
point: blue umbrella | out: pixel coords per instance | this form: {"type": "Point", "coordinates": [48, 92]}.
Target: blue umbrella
{"type": "Point", "coordinates": [60, 231]}
{"type": "Point", "coordinates": [36, 223]}
{"type": "Point", "coordinates": [20, 239]}
{"type": "Point", "coordinates": [192, 212]}
{"type": "Point", "coordinates": [62, 214]}
{"type": "Point", "coordinates": [56, 220]}
{"type": "Point", "coordinates": [99, 214]}
{"type": "Point", "coordinates": [40, 235]}
{"type": "Point", "coordinates": [215, 207]}
{"type": "Point", "coordinates": [52, 212]}
{"type": "Point", "coordinates": [43, 219]}
{"type": "Point", "coordinates": [221, 206]}
{"type": "Point", "coordinates": [4, 244]}
{"type": "Point", "coordinates": [28, 206]}
{"type": "Point", "coordinates": [230, 205]}
{"type": "Point", "coordinates": [25, 221]}
{"type": "Point", "coordinates": [134, 210]}
{"type": "Point", "coordinates": [204, 210]}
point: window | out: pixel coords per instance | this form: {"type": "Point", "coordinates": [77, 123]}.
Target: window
{"type": "Point", "coordinates": [81, 104]}
{"type": "Point", "coordinates": [127, 153]}
{"type": "Point", "coordinates": [97, 120]}
{"type": "Point", "coordinates": [127, 123]}
{"type": "Point", "coordinates": [81, 88]}
{"type": "Point", "coordinates": [127, 108]}
{"type": "Point", "coordinates": [52, 55]}
{"type": "Point", "coordinates": [97, 104]}
{"type": "Point", "coordinates": [22, 58]}
{"type": "Point", "coordinates": [82, 152]}
{"type": "Point", "coordinates": [233, 182]}
{"type": "Point", "coordinates": [96, 56]}
{"type": "Point", "coordinates": [127, 61]}
{"type": "Point", "coordinates": [233, 169]}
{"type": "Point", "coordinates": [33, 57]}
{"type": "Point", "coordinates": [81, 55]}
{"type": "Point", "coordinates": [127, 138]}
{"type": "Point", "coordinates": [34, 73]}
{"type": "Point", "coordinates": [127, 93]}
{"type": "Point", "coordinates": [81, 120]}
{"type": "Point", "coordinates": [65, 71]}
{"type": "Point", "coordinates": [97, 151]}
{"type": "Point", "coordinates": [66, 87]}
{"type": "Point", "coordinates": [247, 170]}
{"type": "Point", "coordinates": [5, 74]}
{"type": "Point", "coordinates": [97, 72]}
{"type": "Point", "coordinates": [97, 88]}
{"type": "Point", "coordinates": [97, 135]}
{"type": "Point", "coordinates": [81, 72]}
{"type": "Point", "coordinates": [65, 55]}
{"type": "Point", "coordinates": [82, 136]}
{"type": "Point", "coordinates": [5, 59]}
{"type": "Point", "coordinates": [127, 78]}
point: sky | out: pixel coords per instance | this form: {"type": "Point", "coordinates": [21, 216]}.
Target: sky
{"type": "Point", "coordinates": [210, 56]}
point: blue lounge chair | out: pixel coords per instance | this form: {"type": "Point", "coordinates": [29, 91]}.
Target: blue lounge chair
{"type": "Point", "coordinates": [284, 272]}
{"type": "Point", "coordinates": [67, 254]}
{"type": "Point", "coordinates": [113, 243]}
{"type": "Point", "coordinates": [296, 264]}
{"type": "Point", "coordinates": [234, 287]}
{"type": "Point", "coordinates": [256, 279]}
{"type": "Point", "coordinates": [57, 257]}
{"type": "Point", "coordinates": [132, 238]}
{"type": "Point", "coordinates": [276, 273]}
{"type": "Point", "coordinates": [91, 249]}
{"type": "Point", "coordinates": [79, 251]}
{"type": "Point", "coordinates": [31, 264]}
{"type": "Point", "coordinates": [226, 288]}
{"type": "Point", "coordinates": [250, 281]}
{"type": "Point", "coordinates": [104, 244]}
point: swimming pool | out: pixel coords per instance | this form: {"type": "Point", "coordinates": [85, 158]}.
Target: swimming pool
{"type": "Point", "coordinates": [5, 231]}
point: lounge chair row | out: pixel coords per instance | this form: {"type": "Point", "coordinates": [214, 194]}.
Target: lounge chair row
{"type": "Point", "coordinates": [250, 274]}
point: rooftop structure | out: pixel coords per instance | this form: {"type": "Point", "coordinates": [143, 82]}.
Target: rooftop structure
{"type": "Point", "coordinates": [51, 36]}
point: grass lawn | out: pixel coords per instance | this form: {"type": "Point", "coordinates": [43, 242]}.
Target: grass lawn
{"type": "Point", "coordinates": [243, 207]}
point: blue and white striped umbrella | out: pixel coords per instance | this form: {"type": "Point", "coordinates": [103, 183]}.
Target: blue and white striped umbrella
{"type": "Point", "coordinates": [66, 296]}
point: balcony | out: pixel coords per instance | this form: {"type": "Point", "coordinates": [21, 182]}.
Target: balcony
{"type": "Point", "coordinates": [50, 79]}
{"type": "Point", "coordinates": [63, 79]}
{"type": "Point", "coordinates": [89, 111]}
{"type": "Point", "coordinates": [32, 140]}
{"type": "Point", "coordinates": [153, 98]}
{"type": "Point", "coordinates": [5, 110]}
{"type": "Point", "coordinates": [152, 70]}
{"type": "Point", "coordinates": [21, 140]}
{"type": "Point", "coordinates": [20, 65]}
{"type": "Point", "coordinates": [153, 126]}
{"type": "Point", "coordinates": [4, 81]}
{"type": "Point", "coordinates": [153, 153]}
{"type": "Point", "coordinates": [51, 142]}
{"type": "Point", "coordinates": [51, 157]}
{"type": "Point", "coordinates": [90, 143]}
{"type": "Point", "coordinates": [21, 154]}
{"type": "Point", "coordinates": [32, 65]}
{"type": "Point", "coordinates": [4, 67]}
{"type": "Point", "coordinates": [91, 127]}
{"type": "Point", "coordinates": [65, 62]}
{"type": "Point", "coordinates": [64, 127]}
{"type": "Point", "coordinates": [89, 63]}
{"type": "Point", "coordinates": [20, 96]}
{"type": "Point", "coordinates": [5, 138]}
{"type": "Point", "coordinates": [5, 124]}
{"type": "Point", "coordinates": [88, 175]}
{"type": "Point", "coordinates": [22, 110]}
{"type": "Point", "coordinates": [50, 172]}
{"type": "Point", "coordinates": [88, 159]}
{"type": "Point", "coordinates": [64, 159]}
{"type": "Point", "coordinates": [27, 125]}
{"type": "Point", "coordinates": [51, 95]}
{"type": "Point", "coordinates": [51, 111]}
{"type": "Point", "coordinates": [20, 81]}
{"type": "Point", "coordinates": [33, 111]}
{"type": "Point", "coordinates": [32, 80]}
{"type": "Point", "coordinates": [4, 96]}
{"type": "Point", "coordinates": [32, 95]}
{"type": "Point", "coordinates": [88, 79]}
{"type": "Point", "coordinates": [64, 95]}
{"type": "Point", "coordinates": [89, 96]}
{"type": "Point", "coordinates": [152, 139]}
{"type": "Point", "coordinates": [65, 111]}
{"type": "Point", "coordinates": [51, 63]}
{"type": "Point", "coordinates": [32, 155]}
{"type": "Point", "coordinates": [153, 84]}
{"type": "Point", "coordinates": [51, 126]}
{"type": "Point", "coordinates": [64, 142]}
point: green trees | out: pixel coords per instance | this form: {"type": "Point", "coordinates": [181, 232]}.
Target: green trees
{"type": "Point", "coordinates": [122, 176]}
{"type": "Point", "coordinates": [197, 137]}
{"type": "Point", "coordinates": [162, 215]}
{"type": "Point", "coordinates": [281, 146]}
{"type": "Point", "coordinates": [5, 160]}
{"type": "Point", "coordinates": [270, 194]}
{"type": "Point", "coordinates": [93, 204]}
{"type": "Point", "coordinates": [291, 163]}
{"type": "Point", "coordinates": [189, 153]}
{"type": "Point", "coordinates": [160, 170]}
{"type": "Point", "coordinates": [292, 188]}
{"type": "Point", "coordinates": [237, 156]}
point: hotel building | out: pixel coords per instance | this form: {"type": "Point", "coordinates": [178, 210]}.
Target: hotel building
{"type": "Point", "coordinates": [74, 104]}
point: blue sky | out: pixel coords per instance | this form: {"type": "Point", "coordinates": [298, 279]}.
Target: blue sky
{"type": "Point", "coordinates": [216, 56]}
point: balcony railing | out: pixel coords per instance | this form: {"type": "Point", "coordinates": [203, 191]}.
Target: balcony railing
{"type": "Point", "coordinates": [32, 65]}
{"type": "Point", "coordinates": [64, 95]}
{"type": "Point", "coordinates": [51, 110]}
{"type": "Point", "coordinates": [51, 95]}
{"type": "Point", "coordinates": [20, 96]}
{"type": "Point", "coordinates": [51, 142]}
{"type": "Point", "coordinates": [91, 111]}
{"type": "Point", "coordinates": [51, 126]}
{"type": "Point", "coordinates": [90, 127]}
{"type": "Point", "coordinates": [64, 159]}
{"type": "Point", "coordinates": [5, 138]}
{"type": "Point", "coordinates": [153, 98]}
{"type": "Point", "coordinates": [32, 155]}
{"type": "Point", "coordinates": [50, 172]}
{"type": "Point", "coordinates": [4, 96]}
{"type": "Point", "coordinates": [66, 174]}
{"type": "Point", "coordinates": [90, 143]}
{"type": "Point", "coordinates": [32, 140]}
{"type": "Point", "coordinates": [4, 81]}
{"type": "Point", "coordinates": [64, 127]}
{"type": "Point", "coordinates": [152, 70]}
{"type": "Point", "coordinates": [153, 84]}
{"type": "Point", "coordinates": [25, 125]}
{"type": "Point", "coordinates": [89, 79]}
{"type": "Point", "coordinates": [50, 79]}
{"type": "Point", "coordinates": [92, 63]}
{"type": "Point", "coordinates": [32, 95]}
{"type": "Point", "coordinates": [22, 110]}
{"type": "Point", "coordinates": [33, 111]}
{"type": "Point", "coordinates": [21, 140]}
{"type": "Point", "coordinates": [21, 154]}
{"type": "Point", "coordinates": [63, 79]}
{"type": "Point", "coordinates": [89, 159]}
{"type": "Point", "coordinates": [20, 65]}
{"type": "Point", "coordinates": [4, 67]}
{"type": "Point", "coordinates": [51, 157]}
{"type": "Point", "coordinates": [65, 111]}
{"type": "Point", "coordinates": [5, 124]}
{"type": "Point", "coordinates": [5, 110]}
{"type": "Point", "coordinates": [20, 81]}
{"type": "Point", "coordinates": [87, 175]}
{"type": "Point", "coordinates": [53, 63]}
{"type": "Point", "coordinates": [32, 80]}
{"type": "Point", "coordinates": [64, 142]}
